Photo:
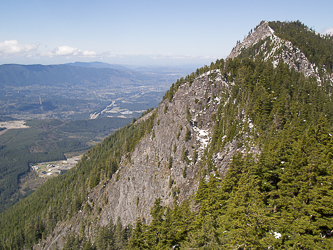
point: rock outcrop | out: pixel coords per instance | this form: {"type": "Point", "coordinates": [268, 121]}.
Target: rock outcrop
{"type": "Point", "coordinates": [276, 49]}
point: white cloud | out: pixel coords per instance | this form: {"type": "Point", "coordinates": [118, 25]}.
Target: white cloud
{"type": "Point", "coordinates": [34, 52]}
{"type": "Point", "coordinates": [329, 31]}
{"type": "Point", "coordinates": [69, 51]}
{"type": "Point", "coordinates": [14, 47]}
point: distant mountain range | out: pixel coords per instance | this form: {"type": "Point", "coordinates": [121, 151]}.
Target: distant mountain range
{"type": "Point", "coordinates": [98, 65]}
{"type": "Point", "coordinates": [67, 75]}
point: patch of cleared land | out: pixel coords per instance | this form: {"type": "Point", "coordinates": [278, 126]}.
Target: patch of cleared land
{"type": "Point", "coordinates": [12, 125]}
{"type": "Point", "coordinates": [54, 168]}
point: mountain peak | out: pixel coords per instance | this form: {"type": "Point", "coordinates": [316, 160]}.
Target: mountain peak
{"type": "Point", "coordinates": [293, 45]}
{"type": "Point", "coordinates": [260, 33]}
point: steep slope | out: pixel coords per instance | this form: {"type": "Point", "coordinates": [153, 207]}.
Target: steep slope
{"type": "Point", "coordinates": [238, 155]}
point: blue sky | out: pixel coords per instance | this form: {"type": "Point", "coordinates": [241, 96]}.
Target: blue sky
{"type": "Point", "coordinates": [141, 32]}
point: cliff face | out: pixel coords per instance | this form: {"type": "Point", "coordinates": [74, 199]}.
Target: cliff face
{"type": "Point", "coordinates": [159, 158]}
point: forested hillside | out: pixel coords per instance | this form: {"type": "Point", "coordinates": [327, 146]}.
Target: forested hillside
{"type": "Point", "coordinates": [238, 155]}
{"type": "Point", "coordinates": [44, 141]}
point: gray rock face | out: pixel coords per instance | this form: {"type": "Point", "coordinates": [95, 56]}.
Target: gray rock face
{"type": "Point", "coordinates": [146, 177]}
